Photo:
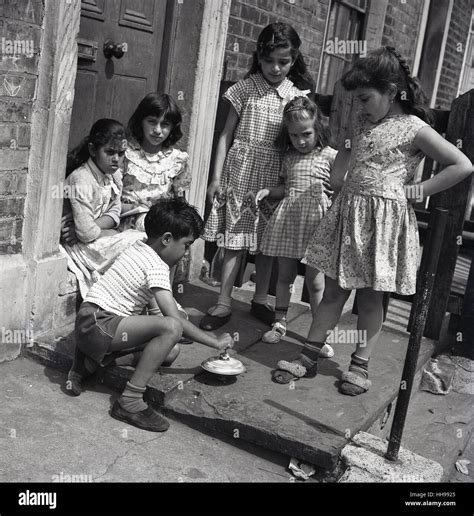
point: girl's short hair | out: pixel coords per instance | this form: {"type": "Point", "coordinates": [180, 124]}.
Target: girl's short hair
{"type": "Point", "coordinates": [282, 35]}
{"type": "Point", "coordinates": [297, 110]}
{"type": "Point", "coordinates": [159, 105]}
{"type": "Point", "coordinates": [382, 68]}
{"type": "Point", "coordinates": [104, 131]}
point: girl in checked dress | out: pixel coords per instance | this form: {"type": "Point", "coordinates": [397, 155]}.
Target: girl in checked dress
{"type": "Point", "coordinates": [368, 240]}
{"type": "Point", "coordinates": [248, 160]}
{"type": "Point", "coordinates": [305, 171]}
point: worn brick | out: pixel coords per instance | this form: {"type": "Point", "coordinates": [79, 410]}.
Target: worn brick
{"type": "Point", "coordinates": [13, 182]}
{"type": "Point", "coordinates": [19, 47]}
{"type": "Point", "coordinates": [18, 86]}
{"type": "Point", "coordinates": [24, 135]}
{"type": "Point", "coordinates": [235, 27]}
{"type": "Point", "coordinates": [7, 248]}
{"type": "Point", "coordinates": [26, 10]}
{"type": "Point", "coordinates": [14, 159]}
{"type": "Point", "coordinates": [12, 206]}
{"type": "Point", "coordinates": [8, 133]}
{"type": "Point", "coordinates": [15, 111]}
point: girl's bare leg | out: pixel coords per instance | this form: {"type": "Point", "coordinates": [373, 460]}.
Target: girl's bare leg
{"type": "Point", "coordinates": [263, 272]}
{"type": "Point", "coordinates": [329, 311]}
{"type": "Point", "coordinates": [230, 268]}
{"type": "Point", "coordinates": [315, 283]}
{"type": "Point", "coordinates": [326, 316]}
{"type": "Point", "coordinates": [287, 271]}
{"type": "Point", "coordinates": [370, 320]}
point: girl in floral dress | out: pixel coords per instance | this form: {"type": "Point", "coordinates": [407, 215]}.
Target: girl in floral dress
{"type": "Point", "coordinates": [152, 167]}
{"type": "Point", "coordinates": [368, 240]}
{"type": "Point", "coordinates": [306, 192]}
{"type": "Point", "coordinates": [248, 160]}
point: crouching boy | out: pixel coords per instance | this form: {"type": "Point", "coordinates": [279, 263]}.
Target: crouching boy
{"type": "Point", "coordinates": [109, 319]}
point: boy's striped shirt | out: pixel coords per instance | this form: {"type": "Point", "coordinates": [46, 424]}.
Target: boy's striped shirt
{"type": "Point", "coordinates": [125, 288]}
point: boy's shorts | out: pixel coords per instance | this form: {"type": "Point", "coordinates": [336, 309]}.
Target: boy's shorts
{"type": "Point", "coordinates": [95, 329]}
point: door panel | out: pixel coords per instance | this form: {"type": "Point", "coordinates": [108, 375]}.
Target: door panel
{"type": "Point", "coordinates": [126, 91]}
{"type": "Point", "coordinates": [138, 14]}
{"type": "Point", "coordinates": [113, 87]}
{"type": "Point", "coordinates": [83, 108]}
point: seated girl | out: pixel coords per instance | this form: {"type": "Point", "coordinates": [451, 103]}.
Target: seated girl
{"type": "Point", "coordinates": [92, 207]}
{"type": "Point", "coordinates": [153, 168]}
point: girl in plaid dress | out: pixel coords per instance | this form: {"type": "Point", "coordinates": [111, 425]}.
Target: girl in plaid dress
{"type": "Point", "coordinates": [248, 160]}
{"type": "Point", "coordinates": [368, 239]}
{"type": "Point", "coordinates": [305, 171]}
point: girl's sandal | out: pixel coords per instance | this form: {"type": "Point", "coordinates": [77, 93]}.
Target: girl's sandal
{"type": "Point", "coordinates": [290, 372]}
{"type": "Point", "coordinates": [213, 322]}
{"type": "Point", "coordinates": [353, 384]}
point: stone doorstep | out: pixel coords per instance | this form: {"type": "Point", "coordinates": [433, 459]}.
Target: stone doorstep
{"type": "Point", "coordinates": [365, 461]}
{"type": "Point", "coordinates": [188, 393]}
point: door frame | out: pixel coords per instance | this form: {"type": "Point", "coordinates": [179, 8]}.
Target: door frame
{"type": "Point", "coordinates": [209, 71]}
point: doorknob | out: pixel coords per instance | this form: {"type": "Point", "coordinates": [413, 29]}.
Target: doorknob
{"type": "Point", "coordinates": [113, 50]}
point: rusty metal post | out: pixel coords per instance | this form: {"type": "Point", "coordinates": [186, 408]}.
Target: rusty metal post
{"type": "Point", "coordinates": [422, 302]}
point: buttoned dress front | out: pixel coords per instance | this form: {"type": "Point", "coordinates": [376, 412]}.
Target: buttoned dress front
{"type": "Point", "coordinates": [253, 162]}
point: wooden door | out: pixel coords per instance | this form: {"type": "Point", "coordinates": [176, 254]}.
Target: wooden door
{"type": "Point", "coordinates": [112, 88]}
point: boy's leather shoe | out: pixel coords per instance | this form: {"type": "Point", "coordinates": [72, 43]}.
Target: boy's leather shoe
{"type": "Point", "coordinates": [147, 419]}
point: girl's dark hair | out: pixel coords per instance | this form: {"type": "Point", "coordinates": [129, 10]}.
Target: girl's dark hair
{"type": "Point", "coordinates": [104, 131]}
{"type": "Point", "coordinates": [298, 109]}
{"type": "Point", "coordinates": [282, 35]}
{"type": "Point", "coordinates": [159, 105]}
{"type": "Point", "coordinates": [382, 68]}
{"type": "Point", "coordinates": [173, 215]}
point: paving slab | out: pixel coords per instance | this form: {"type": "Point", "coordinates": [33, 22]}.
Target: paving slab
{"type": "Point", "coordinates": [366, 462]}
{"type": "Point", "coordinates": [446, 423]}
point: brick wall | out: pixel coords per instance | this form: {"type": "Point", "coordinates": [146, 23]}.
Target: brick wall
{"type": "Point", "coordinates": [454, 53]}
{"type": "Point", "coordinates": [401, 28]}
{"type": "Point", "coordinates": [249, 17]}
{"type": "Point", "coordinates": [20, 37]}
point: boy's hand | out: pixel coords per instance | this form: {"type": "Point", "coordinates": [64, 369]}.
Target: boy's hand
{"type": "Point", "coordinates": [225, 341]}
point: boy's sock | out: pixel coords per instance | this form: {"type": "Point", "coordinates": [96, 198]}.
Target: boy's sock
{"type": "Point", "coordinates": [132, 400]}
{"type": "Point", "coordinates": [280, 313]}
{"type": "Point", "coordinates": [261, 299]}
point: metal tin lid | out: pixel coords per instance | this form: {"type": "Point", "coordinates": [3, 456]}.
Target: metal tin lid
{"type": "Point", "coordinates": [224, 365]}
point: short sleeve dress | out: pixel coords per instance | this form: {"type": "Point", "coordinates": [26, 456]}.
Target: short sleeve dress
{"type": "Point", "coordinates": [252, 163]}
{"type": "Point", "coordinates": [305, 203]}
{"type": "Point", "coordinates": [369, 237]}
{"type": "Point", "coordinates": [148, 177]}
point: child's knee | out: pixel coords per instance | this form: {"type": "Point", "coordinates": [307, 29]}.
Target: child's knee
{"type": "Point", "coordinates": [173, 327]}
